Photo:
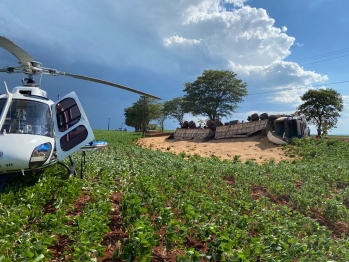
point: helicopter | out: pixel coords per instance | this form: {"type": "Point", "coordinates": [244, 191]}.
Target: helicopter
{"type": "Point", "coordinates": [36, 132]}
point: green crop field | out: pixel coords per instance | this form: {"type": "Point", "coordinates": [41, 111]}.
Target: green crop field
{"type": "Point", "coordinates": [134, 204]}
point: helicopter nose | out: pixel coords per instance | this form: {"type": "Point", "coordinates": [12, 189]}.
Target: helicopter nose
{"type": "Point", "coordinates": [16, 151]}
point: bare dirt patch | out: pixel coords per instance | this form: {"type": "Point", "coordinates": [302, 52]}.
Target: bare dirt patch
{"type": "Point", "coordinates": [257, 148]}
{"type": "Point", "coordinates": [116, 234]}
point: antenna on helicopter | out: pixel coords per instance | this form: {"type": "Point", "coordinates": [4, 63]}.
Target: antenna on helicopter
{"type": "Point", "coordinates": [8, 92]}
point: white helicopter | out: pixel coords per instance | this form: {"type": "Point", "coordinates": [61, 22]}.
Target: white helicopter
{"type": "Point", "coordinates": [36, 132]}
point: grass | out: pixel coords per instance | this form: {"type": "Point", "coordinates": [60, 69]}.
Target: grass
{"type": "Point", "coordinates": [135, 204]}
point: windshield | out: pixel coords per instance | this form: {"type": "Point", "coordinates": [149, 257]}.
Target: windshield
{"type": "Point", "coordinates": [27, 117]}
{"type": "Point", "coordinates": [2, 105]}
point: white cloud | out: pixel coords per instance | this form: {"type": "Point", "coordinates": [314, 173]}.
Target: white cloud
{"type": "Point", "coordinates": [180, 41]}
{"type": "Point", "coordinates": [246, 35]}
{"type": "Point", "coordinates": [177, 38]}
{"type": "Point", "coordinates": [345, 113]}
{"type": "Point", "coordinates": [345, 100]}
{"type": "Point", "coordinates": [133, 33]}
{"type": "Point", "coordinates": [287, 79]}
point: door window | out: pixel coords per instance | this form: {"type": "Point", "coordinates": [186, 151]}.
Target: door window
{"type": "Point", "coordinates": [73, 138]}
{"type": "Point", "coordinates": [68, 114]}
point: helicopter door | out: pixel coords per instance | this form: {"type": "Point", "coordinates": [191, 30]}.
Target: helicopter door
{"type": "Point", "coordinates": [72, 129]}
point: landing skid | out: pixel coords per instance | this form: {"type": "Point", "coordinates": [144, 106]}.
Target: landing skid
{"type": "Point", "coordinates": [71, 170]}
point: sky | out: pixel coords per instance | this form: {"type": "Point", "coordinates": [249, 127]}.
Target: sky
{"type": "Point", "coordinates": [279, 48]}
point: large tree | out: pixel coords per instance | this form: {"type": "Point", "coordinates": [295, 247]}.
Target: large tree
{"type": "Point", "coordinates": [321, 107]}
{"type": "Point", "coordinates": [175, 109]}
{"type": "Point", "coordinates": [142, 112]}
{"type": "Point", "coordinates": [215, 94]}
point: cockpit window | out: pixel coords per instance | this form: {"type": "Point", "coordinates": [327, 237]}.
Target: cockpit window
{"type": "Point", "coordinates": [2, 105]}
{"type": "Point", "coordinates": [28, 117]}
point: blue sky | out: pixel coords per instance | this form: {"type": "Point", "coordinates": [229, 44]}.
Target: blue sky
{"type": "Point", "coordinates": [279, 48]}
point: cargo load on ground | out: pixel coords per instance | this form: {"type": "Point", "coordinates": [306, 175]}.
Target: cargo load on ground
{"type": "Point", "coordinates": [280, 129]}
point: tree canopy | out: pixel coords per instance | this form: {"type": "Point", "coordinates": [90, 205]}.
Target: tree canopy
{"type": "Point", "coordinates": [215, 94]}
{"type": "Point", "coordinates": [160, 119]}
{"type": "Point", "coordinates": [175, 109]}
{"type": "Point", "coordinates": [142, 112]}
{"type": "Point", "coordinates": [321, 107]}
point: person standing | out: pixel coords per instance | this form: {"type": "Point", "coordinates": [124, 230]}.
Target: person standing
{"type": "Point", "coordinates": [319, 132]}
{"type": "Point", "coordinates": [308, 131]}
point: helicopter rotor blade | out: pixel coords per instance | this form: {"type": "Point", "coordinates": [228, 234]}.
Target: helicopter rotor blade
{"type": "Point", "coordinates": [107, 83]}
{"type": "Point", "coordinates": [23, 57]}
{"type": "Point", "coordinates": [31, 67]}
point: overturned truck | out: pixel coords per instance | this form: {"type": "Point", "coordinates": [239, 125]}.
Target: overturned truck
{"type": "Point", "coordinates": [286, 127]}
{"type": "Point", "coordinates": [280, 129]}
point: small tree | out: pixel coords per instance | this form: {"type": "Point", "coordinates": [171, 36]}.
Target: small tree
{"type": "Point", "coordinates": [202, 122]}
{"type": "Point", "coordinates": [215, 94]}
{"type": "Point", "coordinates": [321, 106]}
{"type": "Point", "coordinates": [175, 108]}
{"type": "Point", "coordinates": [142, 112]}
{"type": "Point", "coordinates": [161, 118]}
{"type": "Point", "coordinates": [152, 127]}
{"type": "Point", "coordinates": [133, 116]}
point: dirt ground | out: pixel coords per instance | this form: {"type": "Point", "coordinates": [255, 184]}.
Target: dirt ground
{"type": "Point", "coordinates": [257, 148]}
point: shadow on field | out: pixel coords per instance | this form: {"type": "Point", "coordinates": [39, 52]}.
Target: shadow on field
{"type": "Point", "coordinates": [16, 182]}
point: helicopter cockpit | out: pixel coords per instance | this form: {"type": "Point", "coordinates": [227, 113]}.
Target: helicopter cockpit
{"type": "Point", "coordinates": [27, 117]}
